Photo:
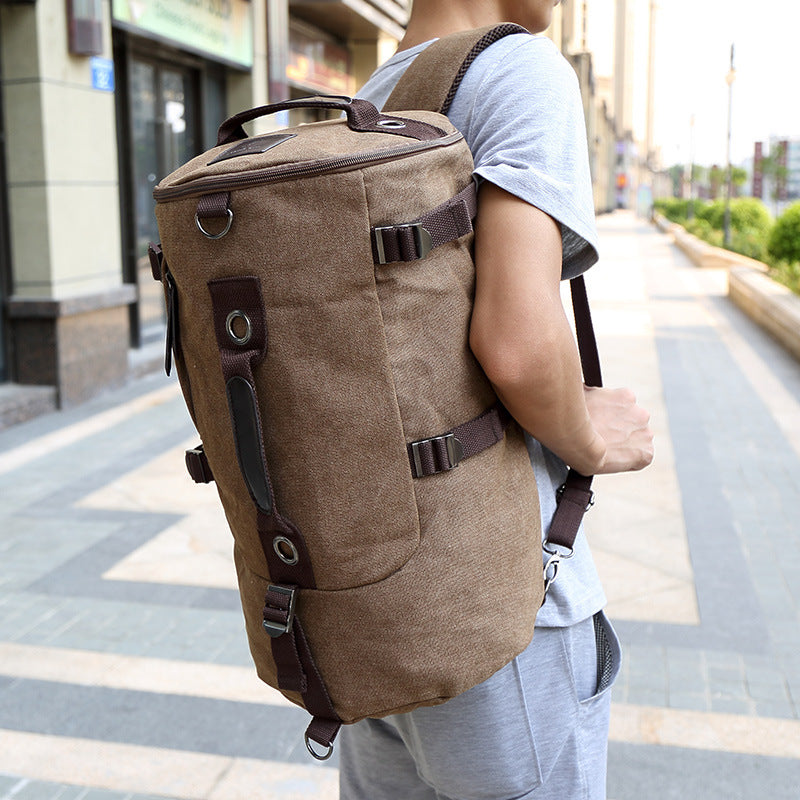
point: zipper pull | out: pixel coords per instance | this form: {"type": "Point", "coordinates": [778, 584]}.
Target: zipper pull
{"type": "Point", "coordinates": [172, 343]}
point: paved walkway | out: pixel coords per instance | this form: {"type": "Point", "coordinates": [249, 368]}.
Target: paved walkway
{"type": "Point", "coordinates": [124, 671]}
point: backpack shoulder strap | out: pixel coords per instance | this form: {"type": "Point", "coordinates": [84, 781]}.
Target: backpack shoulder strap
{"type": "Point", "coordinates": [431, 82]}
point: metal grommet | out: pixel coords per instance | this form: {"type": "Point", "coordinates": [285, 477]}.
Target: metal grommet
{"type": "Point", "coordinates": [391, 123]}
{"type": "Point", "coordinates": [285, 550]}
{"type": "Point", "coordinates": [320, 757]}
{"type": "Point", "coordinates": [248, 330]}
{"type": "Point", "coordinates": [214, 235]}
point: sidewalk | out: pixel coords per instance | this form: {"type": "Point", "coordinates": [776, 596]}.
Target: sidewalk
{"type": "Point", "coordinates": [124, 670]}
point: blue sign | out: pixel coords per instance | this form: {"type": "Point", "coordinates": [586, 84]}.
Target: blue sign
{"type": "Point", "coordinates": [102, 74]}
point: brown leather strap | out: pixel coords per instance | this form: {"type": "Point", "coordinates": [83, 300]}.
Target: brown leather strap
{"type": "Point", "coordinates": [240, 326]}
{"type": "Point", "coordinates": [447, 450]}
{"type": "Point", "coordinates": [362, 116]}
{"type": "Point", "coordinates": [413, 240]}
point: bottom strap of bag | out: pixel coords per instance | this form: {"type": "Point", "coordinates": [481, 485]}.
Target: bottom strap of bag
{"type": "Point", "coordinates": [322, 731]}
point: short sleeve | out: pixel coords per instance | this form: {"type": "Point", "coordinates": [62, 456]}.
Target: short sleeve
{"type": "Point", "coordinates": [520, 110]}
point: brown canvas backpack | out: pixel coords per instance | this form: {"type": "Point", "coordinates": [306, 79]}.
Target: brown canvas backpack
{"type": "Point", "coordinates": [319, 284]}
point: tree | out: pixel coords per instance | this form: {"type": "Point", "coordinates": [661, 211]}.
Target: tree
{"type": "Point", "coordinates": [738, 178]}
{"type": "Point", "coordinates": [784, 241]}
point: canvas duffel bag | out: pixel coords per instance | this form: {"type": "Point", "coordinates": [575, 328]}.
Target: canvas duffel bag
{"type": "Point", "coordinates": [319, 284]}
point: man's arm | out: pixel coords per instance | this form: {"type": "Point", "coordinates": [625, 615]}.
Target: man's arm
{"type": "Point", "coordinates": [520, 335]}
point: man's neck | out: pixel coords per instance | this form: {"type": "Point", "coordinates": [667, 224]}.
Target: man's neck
{"type": "Point", "coordinates": [439, 19]}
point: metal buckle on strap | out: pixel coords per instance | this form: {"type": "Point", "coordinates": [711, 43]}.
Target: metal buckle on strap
{"type": "Point", "coordinates": [274, 628]}
{"type": "Point", "coordinates": [454, 448]}
{"type": "Point", "coordinates": [422, 239]}
{"type": "Point", "coordinates": [557, 554]}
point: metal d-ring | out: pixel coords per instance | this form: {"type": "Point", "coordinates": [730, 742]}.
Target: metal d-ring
{"type": "Point", "coordinates": [391, 123]}
{"type": "Point", "coordinates": [281, 541]}
{"type": "Point", "coordinates": [214, 235]}
{"type": "Point", "coordinates": [248, 329]}
{"type": "Point", "coordinates": [328, 753]}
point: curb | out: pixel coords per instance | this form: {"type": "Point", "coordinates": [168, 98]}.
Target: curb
{"type": "Point", "coordinates": [768, 303]}
{"type": "Point", "coordinates": [771, 305]}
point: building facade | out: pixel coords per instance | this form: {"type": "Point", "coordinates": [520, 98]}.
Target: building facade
{"type": "Point", "coordinates": [99, 99]}
{"type": "Point", "coordinates": [775, 172]}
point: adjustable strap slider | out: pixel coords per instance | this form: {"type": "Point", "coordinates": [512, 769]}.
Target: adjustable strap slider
{"type": "Point", "coordinates": [410, 241]}
{"type": "Point", "coordinates": [279, 606]}
{"type": "Point", "coordinates": [437, 454]}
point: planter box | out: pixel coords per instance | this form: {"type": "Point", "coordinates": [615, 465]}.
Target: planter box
{"type": "Point", "coordinates": [702, 254]}
{"type": "Point", "coordinates": [774, 307]}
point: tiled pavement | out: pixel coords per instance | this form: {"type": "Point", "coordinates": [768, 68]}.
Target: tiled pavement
{"type": "Point", "coordinates": [124, 671]}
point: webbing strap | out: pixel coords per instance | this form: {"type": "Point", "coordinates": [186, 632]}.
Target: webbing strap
{"type": "Point", "coordinates": [447, 450]}
{"type": "Point", "coordinates": [576, 496]}
{"type": "Point", "coordinates": [410, 241]}
{"type": "Point", "coordinates": [432, 79]}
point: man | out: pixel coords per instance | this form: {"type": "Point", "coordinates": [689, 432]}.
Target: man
{"type": "Point", "coordinates": [538, 728]}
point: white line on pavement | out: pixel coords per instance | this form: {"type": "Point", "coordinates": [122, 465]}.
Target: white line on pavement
{"type": "Point", "coordinates": [187, 775]}
{"type": "Point", "coordinates": [150, 770]}
{"type": "Point", "coordinates": [44, 445]}
{"type": "Point", "coordinates": [701, 730]}
{"type": "Point", "coordinates": [136, 673]}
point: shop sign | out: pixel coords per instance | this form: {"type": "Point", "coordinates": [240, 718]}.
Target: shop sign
{"type": "Point", "coordinates": [218, 29]}
{"type": "Point", "coordinates": [102, 74]}
{"type": "Point", "coordinates": [319, 65]}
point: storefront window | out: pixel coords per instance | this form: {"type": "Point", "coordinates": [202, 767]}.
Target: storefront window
{"type": "Point", "coordinates": [164, 125]}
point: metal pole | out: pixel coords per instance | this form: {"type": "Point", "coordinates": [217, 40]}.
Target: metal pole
{"type": "Point", "coordinates": [690, 207]}
{"type": "Point", "coordinates": [726, 236]}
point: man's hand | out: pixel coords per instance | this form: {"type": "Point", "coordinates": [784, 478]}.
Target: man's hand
{"type": "Point", "coordinates": [623, 426]}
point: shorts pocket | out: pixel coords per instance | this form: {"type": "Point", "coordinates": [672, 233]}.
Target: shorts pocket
{"type": "Point", "coordinates": [609, 657]}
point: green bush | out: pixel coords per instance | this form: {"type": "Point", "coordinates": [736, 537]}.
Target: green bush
{"type": "Point", "coordinates": [750, 242]}
{"type": "Point", "coordinates": [673, 208]}
{"type": "Point", "coordinates": [712, 213]}
{"type": "Point", "coordinates": [747, 214]}
{"type": "Point", "coordinates": [676, 209]}
{"type": "Point", "coordinates": [699, 227]}
{"type": "Point", "coordinates": [784, 241]}
{"type": "Point", "coordinates": [787, 274]}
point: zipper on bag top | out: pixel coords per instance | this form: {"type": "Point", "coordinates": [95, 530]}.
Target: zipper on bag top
{"type": "Point", "coordinates": [256, 177]}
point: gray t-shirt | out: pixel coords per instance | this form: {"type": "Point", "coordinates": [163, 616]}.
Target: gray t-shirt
{"type": "Point", "coordinates": [519, 108]}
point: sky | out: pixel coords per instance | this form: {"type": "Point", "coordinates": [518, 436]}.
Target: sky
{"type": "Point", "coordinates": [693, 42]}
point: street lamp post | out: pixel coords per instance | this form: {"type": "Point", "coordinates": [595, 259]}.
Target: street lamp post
{"type": "Point", "coordinates": [729, 79]}
{"type": "Point", "coordinates": [690, 207]}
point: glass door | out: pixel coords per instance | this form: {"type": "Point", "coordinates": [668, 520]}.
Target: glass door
{"type": "Point", "coordinates": [164, 125]}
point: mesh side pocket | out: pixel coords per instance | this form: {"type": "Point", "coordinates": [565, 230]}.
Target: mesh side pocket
{"type": "Point", "coordinates": [605, 656]}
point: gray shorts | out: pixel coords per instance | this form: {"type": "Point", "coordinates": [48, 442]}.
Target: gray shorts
{"type": "Point", "coordinates": [536, 730]}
